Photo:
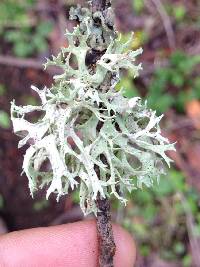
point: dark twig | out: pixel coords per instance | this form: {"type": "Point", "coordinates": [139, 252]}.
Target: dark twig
{"type": "Point", "coordinates": [106, 241]}
{"type": "Point", "coordinates": [107, 245]}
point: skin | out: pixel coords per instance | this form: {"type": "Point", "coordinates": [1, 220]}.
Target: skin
{"type": "Point", "coordinates": [61, 246]}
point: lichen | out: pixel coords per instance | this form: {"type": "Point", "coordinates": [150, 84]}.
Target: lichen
{"type": "Point", "coordinates": [91, 134]}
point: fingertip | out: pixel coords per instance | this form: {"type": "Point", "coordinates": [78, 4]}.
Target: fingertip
{"type": "Point", "coordinates": [66, 245]}
{"type": "Point", "coordinates": [125, 248]}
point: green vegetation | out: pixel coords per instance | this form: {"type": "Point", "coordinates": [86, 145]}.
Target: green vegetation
{"type": "Point", "coordinates": [160, 208]}
{"type": "Point", "coordinates": [175, 84]}
{"type": "Point", "coordinates": [41, 205]}
{"type": "Point", "coordinates": [27, 42]}
{"type": "Point", "coordinates": [4, 119]}
{"type": "Point", "coordinates": [18, 29]}
{"type": "Point", "coordinates": [2, 90]}
{"type": "Point", "coordinates": [171, 86]}
{"type": "Point", "coordinates": [138, 5]}
{"type": "Point", "coordinates": [1, 202]}
{"type": "Point", "coordinates": [15, 13]}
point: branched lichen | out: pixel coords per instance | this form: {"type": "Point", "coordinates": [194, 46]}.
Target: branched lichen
{"type": "Point", "coordinates": [88, 125]}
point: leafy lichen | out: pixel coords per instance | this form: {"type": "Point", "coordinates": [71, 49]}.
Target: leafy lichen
{"type": "Point", "coordinates": [88, 125]}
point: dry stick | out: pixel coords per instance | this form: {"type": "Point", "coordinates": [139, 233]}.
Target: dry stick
{"type": "Point", "coordinates": [166, 22]}
{"type": "Point", "coordinates": [29, 63]}
{"type": "Point", "coordinates": [106, 241]}
{"type": "Point", "coordinates": [21, 63]}
{"type": "Point", "coordinates": [193, 238]}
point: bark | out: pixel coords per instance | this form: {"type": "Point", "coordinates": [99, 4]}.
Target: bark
{"type": "Point", "coordinates": [107, 245]}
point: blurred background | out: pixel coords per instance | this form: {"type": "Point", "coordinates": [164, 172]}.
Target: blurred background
{"type": "Point", "coordinates": [164, 220]}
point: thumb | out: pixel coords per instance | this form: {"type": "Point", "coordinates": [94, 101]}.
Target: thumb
{"type": "Point", "coordinates": [62, 246]}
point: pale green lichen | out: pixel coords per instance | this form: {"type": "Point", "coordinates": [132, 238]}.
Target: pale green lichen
{"type": "Point", "coordinates": [87, 125]}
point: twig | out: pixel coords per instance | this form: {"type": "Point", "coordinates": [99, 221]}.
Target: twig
{"type": "Point", "coordinates": [107, 245]}
{"type": "Point", "coordinates": [21, 63]}
{"type": "Point", "coordinates": [62, 21]}
{"type": "Point", "coordinates": [27, 63]}
{"type": "Point", "coordinates": [38, 65]}
{"type": "Point", "coordinates": [194, 243]}
{"type": "Point", "coordinates": [106, 242]}
{"type": "Point", "coordinates": [166, 22]}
